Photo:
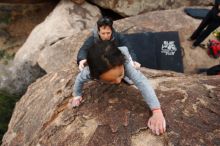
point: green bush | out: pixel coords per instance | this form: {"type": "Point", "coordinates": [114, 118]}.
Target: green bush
{"type": "Point", "coordinates": [2, 53]}
{"type": "Point", "coordinates": [7, 103]}
{"type": "Point", "coordinates": [5, 18]}
{"type": "Point", "coordinates": [216, 33]}
{"type": "Point", "coordinates": [5, 56]}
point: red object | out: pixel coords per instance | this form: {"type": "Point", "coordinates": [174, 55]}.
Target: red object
{"type": "Point", "coordinates": [214, 48]}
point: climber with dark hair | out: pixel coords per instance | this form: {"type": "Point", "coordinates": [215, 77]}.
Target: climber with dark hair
{"type": "Point", "coordinates": [109, 63]}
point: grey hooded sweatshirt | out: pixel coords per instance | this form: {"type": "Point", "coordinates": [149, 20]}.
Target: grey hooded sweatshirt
{"type": "Point", "coordinates": [117, 37]}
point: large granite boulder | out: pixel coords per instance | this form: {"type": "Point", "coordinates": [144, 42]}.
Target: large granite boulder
{"type": "Point", "coordinates": [44, 49]}
{"type": "Point", "coordinates": [67, 19]}
{"type": "Point", "coordinates": [17, 21]}
{"type": "Point", "coordinates": [16, 80]}
{"type": "Point", "coordinates": [134, 7]}
{"type": "Point", "coordinates": [116, 114]}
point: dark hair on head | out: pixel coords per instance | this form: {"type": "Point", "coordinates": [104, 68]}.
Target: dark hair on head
{"type": "Point", "coordinates": [102, 57]}
{"type": "Point", "coordinates": [104, 21]}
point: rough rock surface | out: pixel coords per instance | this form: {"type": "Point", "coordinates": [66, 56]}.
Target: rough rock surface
{"type": "Point", "coordinates": [116, 114]}
{"type": "Point", "coordinates": [134, 7]}
{"type": "Point", "coordinates": [62, 54]}
{"type": "Point", "coordinates": [66, 20]}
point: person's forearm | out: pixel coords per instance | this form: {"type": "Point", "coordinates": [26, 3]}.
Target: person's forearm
{"type": "Point", "coordinates": [144, 86]}
{"type": "Point", "coordinates": [77, 87]}
{"type": "Point", "coordinates": [140, 81]}
{"type": "Point", "coordinates": [81, 78]}
{"type": "Point", "coordinates": [148, 92]}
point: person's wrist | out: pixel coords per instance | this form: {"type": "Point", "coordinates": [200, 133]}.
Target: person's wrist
{"type": "Point", "coordinates": [156, 110]}
{"type": "Point", "coordinates": [77, 97]}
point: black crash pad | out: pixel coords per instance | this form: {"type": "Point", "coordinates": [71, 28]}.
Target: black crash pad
{"type": "Point", "coordinates": [157, 50]}
{"type": "Point", "coordinates": [198, 13]}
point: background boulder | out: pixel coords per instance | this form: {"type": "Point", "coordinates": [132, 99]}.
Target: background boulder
{"type": "Point", "coordinates": [67, 20]}
{"type": "Point", "coordinates": [134, 7]}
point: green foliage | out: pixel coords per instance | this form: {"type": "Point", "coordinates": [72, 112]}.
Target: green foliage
{"type": "Point", "coordinates": [7, 103]}
{"type": "Point", "coordinates": [216, 33]}
{"type": "Point", "coordinates": [2, 53]}
{"type": "Point", "coordinates": [5, 18]}
{"type": "Point", "coordinates": [5, 57]}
